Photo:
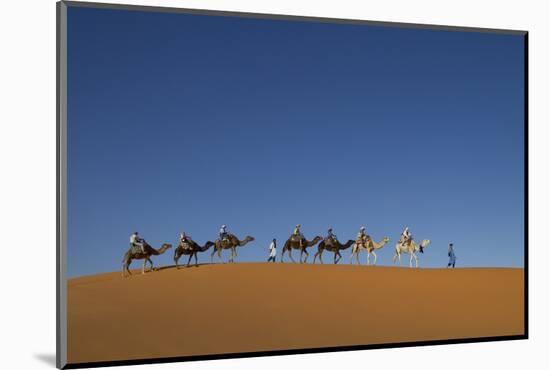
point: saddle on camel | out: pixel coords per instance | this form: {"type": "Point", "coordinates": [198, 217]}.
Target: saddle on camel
{"type": "Point", "coordinates": [186, 241]}
{"type": "Point", "coordinates": [362, 238]}
{"type": "Point", "coordinates": [298, 238]}
{"type": "Point", "coordinates": [331, 238]}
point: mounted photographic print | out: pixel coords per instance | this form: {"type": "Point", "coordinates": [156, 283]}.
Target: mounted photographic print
{"type": "Point", "coordinates": [235, 184]}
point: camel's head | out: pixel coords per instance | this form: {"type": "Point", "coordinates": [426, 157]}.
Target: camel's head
{"type": "Point", "coordinates": [423, 245]}
{"type": "Point", "coordinates": [166, 246]}
{"type": "Point", "coordinates": [349, 243]}
{"type": "Point", "coordinates": [386, 239]}
{"type": "Point", "coordinates": [317, 239]}
{"type": "Point", "coordinates": [246, 240]}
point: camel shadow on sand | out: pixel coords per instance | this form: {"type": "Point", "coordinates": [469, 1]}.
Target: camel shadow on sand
{"type": "Point", "coordinates": [183, 267]}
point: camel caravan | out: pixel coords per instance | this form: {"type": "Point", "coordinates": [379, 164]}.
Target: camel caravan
{"type": "Point", "coordinates": [140, 250]}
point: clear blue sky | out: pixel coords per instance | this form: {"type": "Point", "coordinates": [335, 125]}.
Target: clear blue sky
{"type": "Point", "coordinates": [184, 122]}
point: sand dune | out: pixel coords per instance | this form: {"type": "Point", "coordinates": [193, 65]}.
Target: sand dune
{"type": "Point", "coordinates": [244, 307]}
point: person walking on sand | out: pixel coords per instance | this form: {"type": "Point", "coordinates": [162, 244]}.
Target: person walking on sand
{"type": "Point", "coordinates": [452, 256]}
{"type": "Point", "coordinates": [272, 251]}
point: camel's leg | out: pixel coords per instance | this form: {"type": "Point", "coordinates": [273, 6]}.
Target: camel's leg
{"type": "Point", "coordinates": [189, 259]}
{"type": "Point", "coordinates": [143, 268]}
{"type": "Point", "coordinates": [375, 257]}
{"type": "Point", "coordinates": [357, 257]}
{"type": "Point", "coordinates": [351, 257]}
{"type": "Point", "coordinates": [177, 257]}
{"type": "Point", "coordinates": [318, 254]}
{"type": "Point", "coordinates": [127, 267]}
{"type": "Point", "coordinates": [411, 260]}
{"type": "Point", "coordinates": [368, 258]}
{"type": "Point", "coordinates": [218, 252]}
{"type": "Point", "coordinates": [151, 263]}
{"type": "Point", "coordinates": [282, 255]}
{"type": "Point", "coordinates": [307, 255]}
{"type": "Point", "coordinates": [397, 256]}
{"type": "Point", "coordinates": [196, 259]}
{"type": "Point", "coordinates": [416, 259]}
{"type": "Point", "coordinates": [212, 255]}
{"type": "Point", "coordinates": [290, 255]}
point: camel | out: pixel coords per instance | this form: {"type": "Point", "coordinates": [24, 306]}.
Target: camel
{"type": "Point", "coordinates": [190, 248]}
{"type": "Point", "coordinates": [294, 243]}
{"type": "Point", "coordinates": [149, 251]}
{"type": "Point", "coordinates": [411, 248]}
{"type": "Point", "coordinates": [332, 246]}
{"type": "Point", "coordinates": [231, 242]}
{"type": "Point", "coordinates": [370, 247]}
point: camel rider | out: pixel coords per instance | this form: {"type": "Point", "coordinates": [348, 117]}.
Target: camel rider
{"type": "Point", "coordinates": [185, 240]}
{"type": "Point", "coordinates": [362, 236]}
{"type": "Point", "coordinates": [407, 236]}
{"type": "Point", "coordinates": [223, 232]}
{"type": "Point", "coordinates": [298, 233]}
{"type": "Point", "coordinates": [136, 241]}
{"type": "Point", "coordinates": [331, 235]}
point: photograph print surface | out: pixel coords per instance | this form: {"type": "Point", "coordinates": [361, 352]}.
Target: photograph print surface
{"type": "Point", "coordinates": [240, 184]}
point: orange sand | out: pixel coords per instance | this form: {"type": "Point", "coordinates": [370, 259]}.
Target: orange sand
{"type": "Point", "coordinates": [244, 307]}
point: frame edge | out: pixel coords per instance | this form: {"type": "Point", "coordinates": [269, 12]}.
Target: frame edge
{"type": "Point", "coordinates": [61, 178]}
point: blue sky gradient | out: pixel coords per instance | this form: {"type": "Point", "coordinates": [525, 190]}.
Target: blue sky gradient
{"type": "Point", "coordinates": [184, 122]}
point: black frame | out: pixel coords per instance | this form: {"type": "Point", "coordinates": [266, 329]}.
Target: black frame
{"type": "Point", "coordinates": [61, 340]}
